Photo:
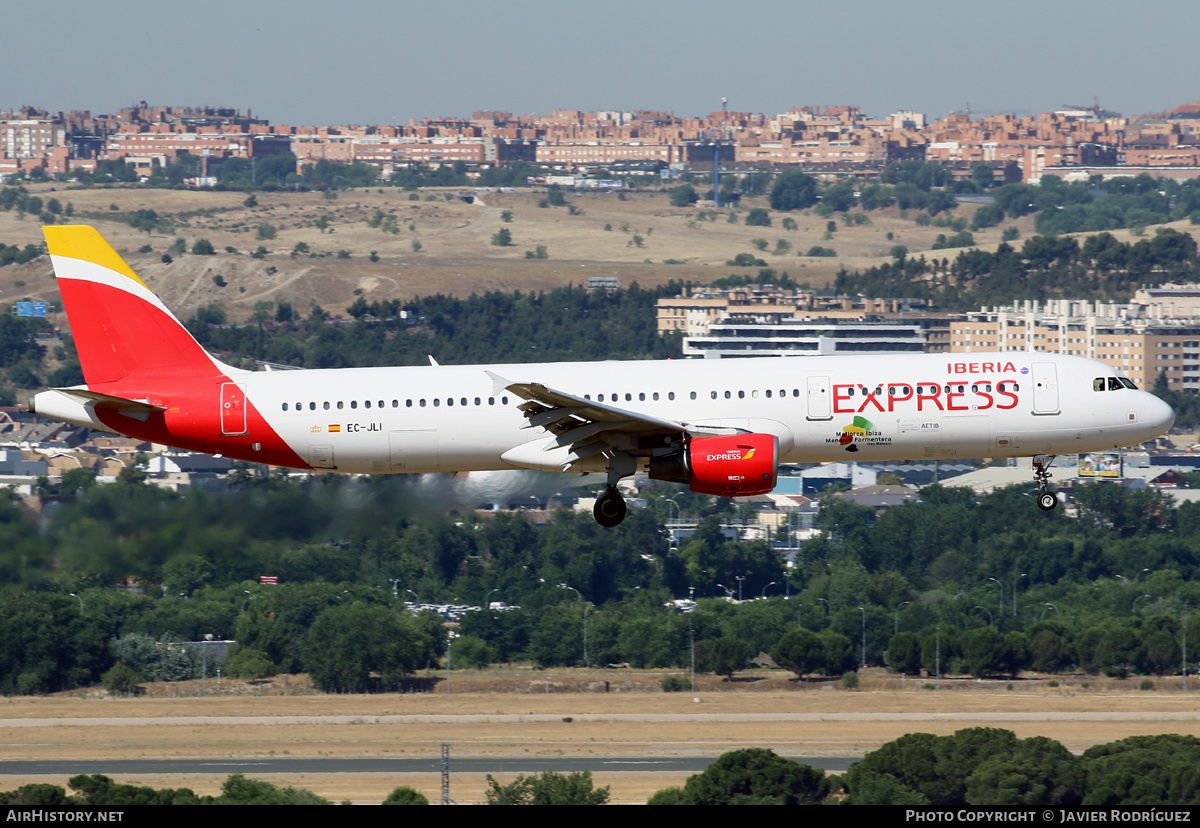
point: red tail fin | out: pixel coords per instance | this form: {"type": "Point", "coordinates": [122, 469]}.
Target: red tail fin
{"type": "Point", "coordinates": [121, 328]}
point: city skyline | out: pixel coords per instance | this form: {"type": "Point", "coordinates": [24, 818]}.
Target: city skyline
{"type": "Point", "coordinates": [376, 63]}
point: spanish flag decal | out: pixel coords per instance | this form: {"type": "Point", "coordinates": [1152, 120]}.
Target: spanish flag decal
{"type": "Point", "coordinates": [334, 427]}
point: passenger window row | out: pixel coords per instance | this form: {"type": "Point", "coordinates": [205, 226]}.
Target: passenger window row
{"type": "Point", "coordinates": [419, 403]}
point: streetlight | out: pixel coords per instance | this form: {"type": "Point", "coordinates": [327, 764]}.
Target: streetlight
{"type": "Point", "coordinates": [1049, 607]}
{"type": "Point", "coordinates": [764, 589]}
{"type": "Point", "coordinates": [1019, 577]}
{"type": "Point", "coordinates": [1001, 593]}
{"type": "Point", "coordinates": [991, 618]}
{"type": "Point", "coordinates": [585, 612]}
{"type": "Point", "coordinates": [740, 578]}
{"type": "Point", "coordinates": [450, 636]}
{"type": "Point", "coordinates": [864, 637]}
{"type": "Point", "coordinates": [898, 606]}
{"type": "Point", "coordinates": [692, 635]}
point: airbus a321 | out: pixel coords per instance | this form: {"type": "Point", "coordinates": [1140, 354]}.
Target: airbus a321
{"type": "Point", "coordinates": [721, 427]}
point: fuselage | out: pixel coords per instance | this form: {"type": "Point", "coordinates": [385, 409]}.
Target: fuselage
{"type": "Point", "coordinates": [825, 408]}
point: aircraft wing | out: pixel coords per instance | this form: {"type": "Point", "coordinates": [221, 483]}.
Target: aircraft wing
{"type": "Point", "coordinates": [586, 427]}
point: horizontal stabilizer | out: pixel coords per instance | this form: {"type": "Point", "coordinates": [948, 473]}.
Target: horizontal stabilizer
{"type": "Point", "coordinates": [111, 403]}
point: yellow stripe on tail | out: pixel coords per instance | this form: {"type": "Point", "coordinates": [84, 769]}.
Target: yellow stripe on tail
{"type": "Point", "coordinates": [78, 241]}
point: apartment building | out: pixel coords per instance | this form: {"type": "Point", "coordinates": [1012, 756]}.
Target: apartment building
{"type": "Point", "coordinates": [766, 321]}
{"type": "Point", "coordinates": [29, 137]}
{"type": "Point", "coordinates": [1140, 339]}
{"type": "Point", "coordinates": [836, 141]}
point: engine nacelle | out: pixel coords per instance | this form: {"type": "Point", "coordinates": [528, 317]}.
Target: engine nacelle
{"type": "Point", "coordinates": [728, 465]}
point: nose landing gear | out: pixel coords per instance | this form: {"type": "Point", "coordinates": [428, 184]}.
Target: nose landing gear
{"type": "Point", "coordinates": [1047, 499]}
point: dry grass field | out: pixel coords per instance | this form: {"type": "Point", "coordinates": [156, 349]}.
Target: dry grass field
{"type": "Point", "coordinates": [509, 713]}
{"type": "Point", "coordinates": [631, 239]}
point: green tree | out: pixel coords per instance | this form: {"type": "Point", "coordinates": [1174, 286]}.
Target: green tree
{"type": "Point", "coordinates": [238, 790]}
{"type": "Point", "coordinates": [405, 795]}
{"type": "Point", "coordinates": [758, 217]}
{"type": "Point", "coordinates": [757, 775]}
{"type": "Point", "coordinates": [346, 644]}
{"type": "Point", "coordinates": [684, 196]}
{"type": "Point", "coordinates": [723, 656]}
{"type": "Point", "coordinates": [547, 788]}
{"type": "Point", "coordinates": [120, 680]}
{"type": "Point", "coordinates": [502, 237]}
{"type": "Point", "coordinates": [793, 190]}
{"type": "Point", "coordinates": [250, 664]}
{"type": "Point", "coordinates": [904, 653]}
{"type": "Point", "coordinates": [983, 176]}
{"type": "Point", "coordinates": [99, 791]}
{"type": "Point", "coordinates": [800, 651]}
{"type": "Point", "coordinates": [471, 652]}
{"type": "Point", "coordinates": [1143, 771]}
{"type": "Point", "coordinates": [203, 247]}
{"type": "Point", "coordinates": [1039, 773]}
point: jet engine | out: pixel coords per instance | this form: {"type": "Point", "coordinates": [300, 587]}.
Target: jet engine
{"type": "Point", "coordinates": [728, 465]}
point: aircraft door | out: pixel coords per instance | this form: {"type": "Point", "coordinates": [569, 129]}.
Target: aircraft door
{"type": "Point", "coordinates": [233, 409]}
{"type": "Point", "coordinates": [1045, 388]}
{"type": "Point", "coordinates": [820, 405]}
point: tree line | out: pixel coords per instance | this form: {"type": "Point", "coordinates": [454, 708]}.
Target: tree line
{"type": "Point", "coordinates": [956, 584]}
{"type": "Point", "coordinates": [978, 767]}
{"type": "Point", "coordinates": [1043, 268]}
{"type": "Point", "coordinates": [562, 324]}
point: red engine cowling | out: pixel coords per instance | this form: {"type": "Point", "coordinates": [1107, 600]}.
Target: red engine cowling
{"type": "Point", "coordinates": [730, 466]}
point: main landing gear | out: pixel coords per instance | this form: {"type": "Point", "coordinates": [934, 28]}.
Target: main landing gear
{"type": "Point", "coordinates": [610, 508]}
{"type": "Point", "coordinates": [1047, 499]}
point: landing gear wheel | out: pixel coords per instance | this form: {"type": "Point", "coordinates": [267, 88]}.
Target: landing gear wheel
{"type": "Point", "coordinates": [1047, 501]}
{"type": "Point", "coordinates": [609, 510]}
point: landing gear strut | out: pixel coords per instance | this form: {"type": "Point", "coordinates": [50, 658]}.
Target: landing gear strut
{"type": "Point", "coordinates": [610, 508]}
{"type": "Point", "coordinates": [1047, 499]}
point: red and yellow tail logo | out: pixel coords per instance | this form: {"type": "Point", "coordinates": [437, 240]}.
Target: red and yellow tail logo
{"type": "Point", "coordinates": [121, 329]}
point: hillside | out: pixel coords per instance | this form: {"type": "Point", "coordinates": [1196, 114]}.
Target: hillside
{"type": "Point", "coordinates": [455, 255]}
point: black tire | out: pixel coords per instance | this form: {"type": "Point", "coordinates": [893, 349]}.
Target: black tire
{"type": "Point", "coordinates": [609, 510]}
{"type": "Point", "coordinates": [1047, 501]}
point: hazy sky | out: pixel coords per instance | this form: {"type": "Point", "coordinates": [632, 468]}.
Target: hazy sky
{"type": "Point", "coordinates": [382, 61]}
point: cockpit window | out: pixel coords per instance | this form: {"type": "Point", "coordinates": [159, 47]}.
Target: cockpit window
{"type": "Point", "coordinates": [1098, 384]}
{"type": "Point", "coordinates": [1114, 384]}
{"type": "Point", "coordinates": [1128, 384]}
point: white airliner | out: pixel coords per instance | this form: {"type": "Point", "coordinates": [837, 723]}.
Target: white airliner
{"type": "Point", "coordinates": [722, 427]}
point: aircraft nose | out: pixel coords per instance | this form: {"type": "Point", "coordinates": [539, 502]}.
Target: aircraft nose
{"type": "Point", "coordinates": [1158, 414]}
